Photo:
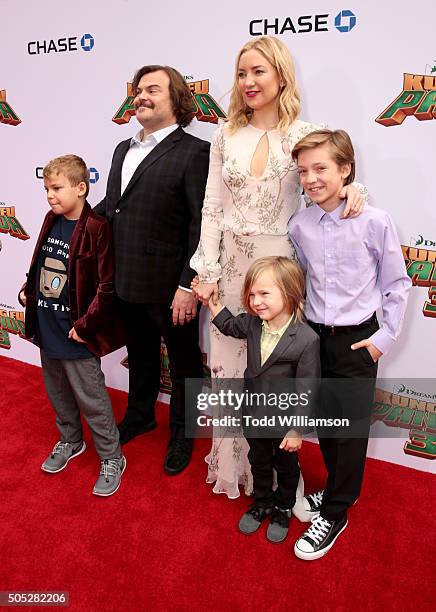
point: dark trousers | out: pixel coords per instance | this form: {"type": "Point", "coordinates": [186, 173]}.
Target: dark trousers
{"type": "Point", "coordinates": [146, 324]}
{"type": "Point", "coordinates": [352, 398]}
{"type": "Point", "coordinates": [264, 455]}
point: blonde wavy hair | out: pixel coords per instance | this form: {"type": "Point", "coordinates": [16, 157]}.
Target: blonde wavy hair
{"type": "Point", "coordinates": [277, 54]}
{"type": "Point", "coordinates": [288, 277]}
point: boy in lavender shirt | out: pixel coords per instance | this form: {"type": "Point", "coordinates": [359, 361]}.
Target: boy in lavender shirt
{"type": "Point", "coordinates": [353, 267]}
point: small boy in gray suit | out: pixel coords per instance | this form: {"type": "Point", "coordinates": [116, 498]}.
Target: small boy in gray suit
{"type": "Point", "coordinates": [279, 346]}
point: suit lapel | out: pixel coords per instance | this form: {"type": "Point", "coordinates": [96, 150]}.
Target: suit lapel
{"type": "Point", "coordinates": [48, 223]}
{"type": "Point", "coordinates": [160, 149]}
{"type": "Point", "coordinates": [282, 345]}
{"type": "Point", "coordinates": [257, 331]}
{"type": "Point", "coordinates": [124, 147]}
{"type": "Point", "coordinates": [78, 230]}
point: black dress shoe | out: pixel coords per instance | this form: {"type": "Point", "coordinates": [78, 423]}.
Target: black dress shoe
{"type": "Point", "coordinates": [178, 456]}
{"type": "Point", "coordinates": [128, 431]}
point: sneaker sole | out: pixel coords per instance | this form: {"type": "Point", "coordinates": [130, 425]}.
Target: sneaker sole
{"type": "Point", "coordinates": [303, 515]}
{"type": "Point", "coordinates": [115, 490]}
{"type": "Point", "coordinates": [306, 516]}
{"type": "Point", "coordinates": [319, 553]}
{"type": "Point", "coordinates": [66, 463]}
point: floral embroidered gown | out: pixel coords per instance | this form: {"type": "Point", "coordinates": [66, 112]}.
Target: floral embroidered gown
{"type": "Point", "coordinates": [244, 217]}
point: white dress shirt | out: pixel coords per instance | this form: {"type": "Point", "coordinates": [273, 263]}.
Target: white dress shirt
{"type": "Point", "coordinates": [139, 149]}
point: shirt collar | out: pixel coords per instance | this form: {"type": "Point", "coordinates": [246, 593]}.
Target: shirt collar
{"type": "Point", "coordinates": [335, 215]}
{"type": "Point", "coordinates": [155, 137]}
{"type": "Point", "coordinates": [280, 331]}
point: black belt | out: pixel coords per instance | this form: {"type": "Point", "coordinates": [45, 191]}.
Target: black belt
{"type": "Point", "coordinates": [336, 330]}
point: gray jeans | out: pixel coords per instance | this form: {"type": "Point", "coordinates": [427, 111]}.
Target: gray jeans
{"type": "Point", "coordinates": [75, 385]}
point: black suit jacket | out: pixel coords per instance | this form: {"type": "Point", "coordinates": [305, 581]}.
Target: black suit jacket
{"type": "Point", "coordinates": [156, 221]}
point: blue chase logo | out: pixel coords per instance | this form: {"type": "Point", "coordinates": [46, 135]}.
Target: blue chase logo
{"type": "Point", "coordinates": [87, 42]}
{"type": "Point", "coordinates": [345, 21]}
{"type": "Point", "coordinates": [94, 175]}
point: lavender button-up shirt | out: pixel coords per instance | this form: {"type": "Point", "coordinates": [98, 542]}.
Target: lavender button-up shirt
{"type": "Point", "coordinates": [353, 267]}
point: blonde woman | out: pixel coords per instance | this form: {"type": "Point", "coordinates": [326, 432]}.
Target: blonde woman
{"type": "Point", "coordinates": [253, 190]}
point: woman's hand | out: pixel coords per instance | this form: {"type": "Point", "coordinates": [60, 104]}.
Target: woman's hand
{"type": "Point", "coordinates": [355, 201]}
{"type": "Point", "coordinates": [206, 292]}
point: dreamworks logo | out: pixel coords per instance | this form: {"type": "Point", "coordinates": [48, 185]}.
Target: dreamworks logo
{"type": "Point", "coordinates": [344, 21]}
{"type": "Point", "coordinates": [94, 174]}
{"type": "Point", "coordinates": [420, 241]}
{"type": "Point", "coordinates": [61, 45]}
{"type": "Point", "coordinates": [405, 389]}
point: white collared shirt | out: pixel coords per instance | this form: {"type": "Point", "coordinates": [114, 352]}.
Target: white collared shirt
{"type": "Point", "coordinates": [139, 149]}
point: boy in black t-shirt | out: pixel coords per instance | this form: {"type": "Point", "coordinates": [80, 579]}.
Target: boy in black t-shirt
{"type": "Point", "coordinates": [69, 297]}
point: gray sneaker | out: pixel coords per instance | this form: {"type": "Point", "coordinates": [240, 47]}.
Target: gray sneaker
{"type": "Point", "coordinates": [251, 520]}
{"type": "Point", "coordinates": [278, 528]}
{"type": "Point", "coordinates": [61, 454]}
{"type": "Point", "coordinates": [110, 476]}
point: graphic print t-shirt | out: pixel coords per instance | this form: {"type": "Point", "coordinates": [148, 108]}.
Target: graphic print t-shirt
{"type": "Point", "coordinates": [53, 312]}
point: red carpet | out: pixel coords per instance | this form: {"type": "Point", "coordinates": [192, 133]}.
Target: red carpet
{"type": "Point", "coordinates": [169, 543]}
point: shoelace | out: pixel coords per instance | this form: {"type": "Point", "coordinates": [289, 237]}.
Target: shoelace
{"type": "Point", "coordinates": [316, 498]}
{"type": "Point", "coordinates": [109, 467]}
{"type": "Point", "coordinates": [319, 529]}
{"type": "Point", "coordinates": [59, 448]}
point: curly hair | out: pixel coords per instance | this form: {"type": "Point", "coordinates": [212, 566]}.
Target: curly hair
{"type": "Point", "coordinates": [180, 94]}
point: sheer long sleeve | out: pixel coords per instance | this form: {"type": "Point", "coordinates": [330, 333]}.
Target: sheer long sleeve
{"type": "Point", "coordinates": [205, 260]}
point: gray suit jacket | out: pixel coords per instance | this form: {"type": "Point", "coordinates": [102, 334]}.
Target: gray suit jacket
{"type": "Point", "coordinates": [295, 356]}
{"type": "Point", "coordinates": [293, 367]}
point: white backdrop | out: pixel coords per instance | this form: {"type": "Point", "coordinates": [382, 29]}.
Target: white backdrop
{"type": "Point", "coordinates": [66, 100]}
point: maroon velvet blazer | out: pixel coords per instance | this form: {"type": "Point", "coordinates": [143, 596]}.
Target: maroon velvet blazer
{"type": "Point", "coordinates": [92, 297]}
